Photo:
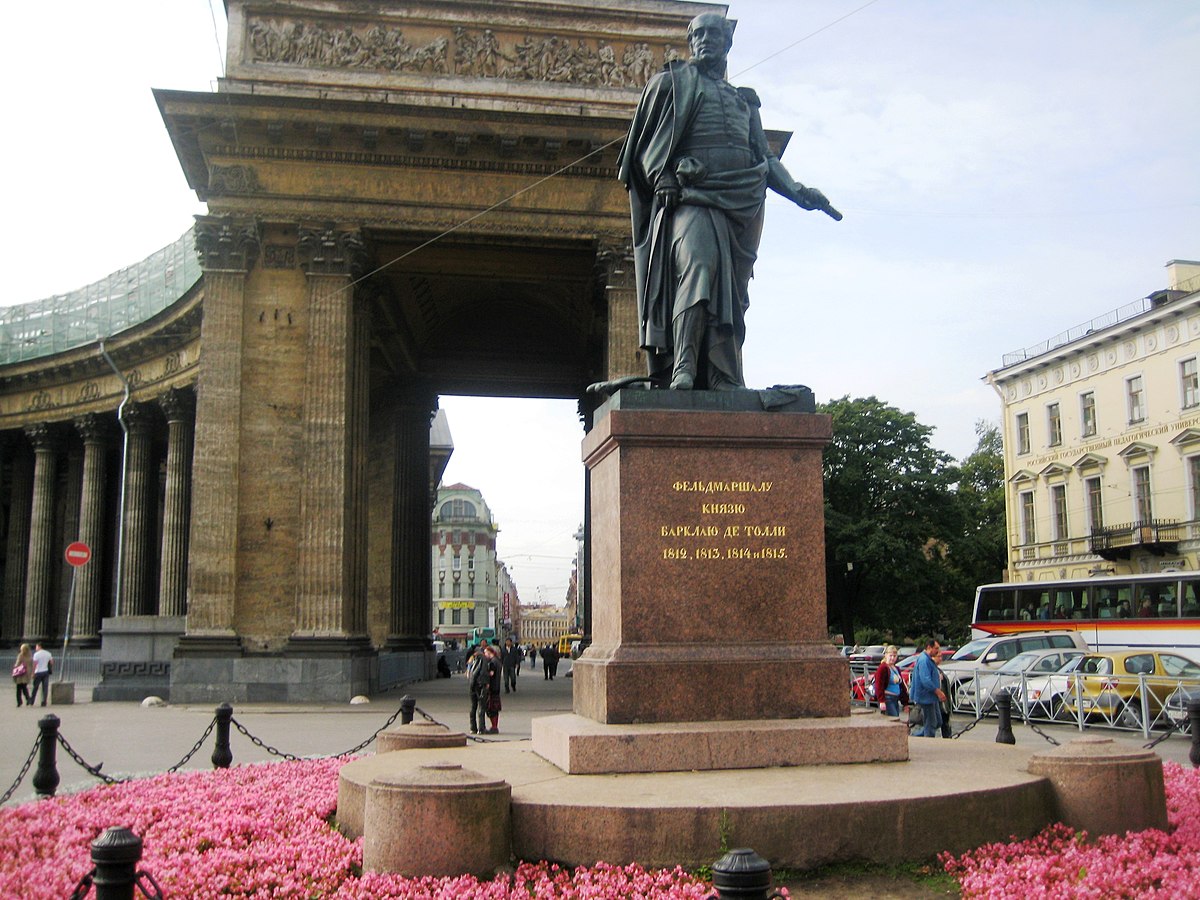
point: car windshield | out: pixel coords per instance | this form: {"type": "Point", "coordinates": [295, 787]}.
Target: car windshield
{"type": "Point", "coordinates": [1020, 662]}
{"type": "Point", "coordinates": [1096, 665]}
{"type": "Point", "coordinates": [971, 651]}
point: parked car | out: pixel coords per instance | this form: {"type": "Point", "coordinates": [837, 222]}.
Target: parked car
{"type": "Point", "coordinates": [1110, 684]}
{"type": "Point", "coordinates": [1041, 697]}
{"type": "Point", "coordinates": [1176, 706]}
{"type": "Point", "coordinates": [981, 693]}
{"type": "Point", "coordinates": [993, 652]}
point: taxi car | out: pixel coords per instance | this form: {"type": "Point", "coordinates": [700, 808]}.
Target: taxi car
{"type": "Point", "coordinates": [1128, 687]}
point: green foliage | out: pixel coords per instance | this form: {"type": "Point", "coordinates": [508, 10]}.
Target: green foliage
{"type": "Point", "coordinates": [908, 533]}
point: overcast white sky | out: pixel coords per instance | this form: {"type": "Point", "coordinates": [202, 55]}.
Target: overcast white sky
{"type": "Point", "coordinates": [1007, 168]}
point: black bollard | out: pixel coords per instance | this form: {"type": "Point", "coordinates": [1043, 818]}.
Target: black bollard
{"type": "Point", "coordinates": [45, 777]}
{"type": "Point", "coordinates": [115, 854]}
{"type": "Point", "coordinates": [407, 705]}
{"type": "Point", "coordinates": [1193, 708]}
{"type": "Point", "coordinates": [222, 756]}
{"type": "Point", "coordinates": [742, 875]}
{"type": "Point", "coordinates": [1004, 734]}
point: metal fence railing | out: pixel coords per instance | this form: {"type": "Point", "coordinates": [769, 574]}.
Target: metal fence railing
{"type": "Point", "coordinates": [79, 666]}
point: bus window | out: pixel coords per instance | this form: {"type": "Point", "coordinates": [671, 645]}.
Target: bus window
{"type": "Point", "coordinates": [995, 605]}
{"type": "Point", "coordinates": [1157, 601]}
{"type": "Point", "coordinates": [1191, 605]}
{"type": "Point", "coordinates": [1113, 601]}
{"type": "Point", "coordinates": [1033, 603]}
{"type": "Point", "coordinates": [1069, 603]}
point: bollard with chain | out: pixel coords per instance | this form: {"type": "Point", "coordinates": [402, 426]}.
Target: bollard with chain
{"type": "Point", "coordinates": [407, 705]}
{"type": "Point", "coordinates": [1004, 733]}
{"type": "Point", "coordinates": [115, 855]}
{"type": "Point", "coordinates": [45, 776]}
{"type": "Point", "coordinates": [1193, 709]}
{"type": "Point", "coordinates": [222, 755]}
{"type": "Point", "coordinates": [742, 875]}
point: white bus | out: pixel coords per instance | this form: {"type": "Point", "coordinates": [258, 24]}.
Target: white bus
{"type": "Point", "coordinates": [1110, 611]}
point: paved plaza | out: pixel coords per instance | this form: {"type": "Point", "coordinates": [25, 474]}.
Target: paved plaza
{"type": "Point", "coordinates": [131, 740]}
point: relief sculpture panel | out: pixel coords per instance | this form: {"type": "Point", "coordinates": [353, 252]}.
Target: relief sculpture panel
{"type": "Point", "coordinates": [466, 52]}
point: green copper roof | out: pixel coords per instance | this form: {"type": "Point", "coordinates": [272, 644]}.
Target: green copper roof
{"type": "Point", "coordinates": [102, 309]}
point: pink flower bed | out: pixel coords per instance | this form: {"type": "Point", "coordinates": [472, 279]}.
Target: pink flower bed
{"type": "Point", "coordinates": [1060, 863]}
{"type": "Point", "coordinates": [263, 831]}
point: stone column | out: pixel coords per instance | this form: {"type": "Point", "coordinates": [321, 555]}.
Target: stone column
{"type": "Point", "coordinates": [412, 589]}
{"type": "Point", "coordinates": [614, 262]}
{"type": "Point", "coordinates": [40, 565]}
{"type": "Point", "coordinates": [17, 549]}
{"type": "Point", "coordinates": [331, 577]}
{"type": "Point", "coordinates": [96, 432]}
{"type": "Point", "coordinates": [134, 597]}
{"type": "Point", "coordinates": [179, 407]}
{"type": "Point", "coordinates": [228, 250]}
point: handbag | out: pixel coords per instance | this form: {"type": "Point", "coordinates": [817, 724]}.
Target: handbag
{"type": "Point", "coordinates": [916, 716]}
{"type": "Point", "coordinates": [19, 670]}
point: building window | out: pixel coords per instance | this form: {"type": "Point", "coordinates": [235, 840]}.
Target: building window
{"type": "Point", "coordinates": [1058, 498]}
{"type": "Point", "coordinates": [1193, 465]}
{"type": "Point", "coordinates": [458, 509]}
{"type": "Point", "coordinates": [471, 616]}
{"type": "Point", "coordinates": [1190, 382]}
{"type": "Point", "coordinates": [1054, 424]}
{"type": "Point", "coordinates": [471, 589]}
{"type": "Point", "coordinates": [457, 566]}
{"type": "Point", "coordinates": [1022, 432]}
{"type": "Point", "coordinates": [1028, 525]}
{"type": "Point", "coordinates": [1142, 508]}
{"type": "Point", "coordinates": [441, 617]}
{"type": "Point", "coordinates": [1095, 508]}
{"type": "Point", "coordinates": [470, 563]}
{"type": "Point", "coordinates": [456, 590]}
{"type": "Point", "coordinates": [441, 589]}
{"type": "Point", "coordinates": [1136, 399]}
{"type": "Point", "coordinates": [456, 617]}
{"type": "Point", "coordinates": [471, 538]}
{"type": "Point", "coordinates": [1087, 414]}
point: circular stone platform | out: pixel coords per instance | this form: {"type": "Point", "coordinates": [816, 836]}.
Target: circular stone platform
{"type": "Point", "coordinates": [950, 795]}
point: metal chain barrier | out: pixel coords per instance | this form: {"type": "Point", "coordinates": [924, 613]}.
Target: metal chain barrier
{"type": "Point", "coordinates": [1032, 727]}
{"type": "Point", "coordinates": [1158, 740]}
{"type": "Point", "coordinates": [200, 743]}
{"type": "Point", "coordinates": [964, 730]}
{"type": "Point", "coordinates": [371, 739]}
{"type": "Point", "coordinates": [84, 764]}
{"type": "Point", "coordinates": [261, 744]}
{"type": "Point", "coordinates": [37, 742]}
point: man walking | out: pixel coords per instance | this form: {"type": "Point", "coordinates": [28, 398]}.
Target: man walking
{"type": "Point", "coordinates": [43, 667]}
{"type": "Point", "coordinates": [510, 659]}
{"type": "Point", "coordinates": [925, 689]}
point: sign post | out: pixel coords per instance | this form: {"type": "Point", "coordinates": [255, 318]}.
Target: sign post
{"type": "Point", "coordinates": [77, 554]}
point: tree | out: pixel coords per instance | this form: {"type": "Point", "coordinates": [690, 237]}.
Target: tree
{"type": "Point", "coordinates": [890, 509]}
{"type": "Point", "coordinates": [980, 554]}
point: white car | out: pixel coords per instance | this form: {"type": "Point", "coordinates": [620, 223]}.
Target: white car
{"type": "Point", "coordinates": [980, 693]}
{"type": "Point", "coordinates": [1042, 697]}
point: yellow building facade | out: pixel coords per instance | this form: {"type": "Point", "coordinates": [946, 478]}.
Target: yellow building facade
{"type": "Point", "coordinates": [1101, 435]}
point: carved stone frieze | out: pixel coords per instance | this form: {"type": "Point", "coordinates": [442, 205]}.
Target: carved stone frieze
{"type": "Point", "coordinates": [326, 251]}
{"type": "Point", "coordinates": [232, 180]}
{"type": "Point", "coordinates": [461, 51]}
{"type": "Point", "coordinates": [224, 244]}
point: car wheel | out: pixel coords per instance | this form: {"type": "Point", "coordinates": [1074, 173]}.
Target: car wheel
{"type": "Point", "coordinates": [1131, 715]}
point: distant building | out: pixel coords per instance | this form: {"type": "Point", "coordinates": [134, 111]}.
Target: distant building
{"type": "Point", "coordinates": [544, 624]}
{"type": "Point", "coordinates": [464, 565]}
{"type": "Point", "coordinates": [1101, 435]}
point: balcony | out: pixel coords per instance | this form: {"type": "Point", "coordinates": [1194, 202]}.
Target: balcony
{"type": "Point", "coordinates": [1158, 536]}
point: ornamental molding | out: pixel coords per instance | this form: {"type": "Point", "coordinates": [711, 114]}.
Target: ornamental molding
{"type": "Point", "coordinates": [434, 50]}
{"type": "Point", "coordinates": [226, 245]}
{"type": "Point", "coordinates": [326, 251]}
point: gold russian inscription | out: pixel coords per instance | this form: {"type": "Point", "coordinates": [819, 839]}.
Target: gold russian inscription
{"type": "Point", "coordinates": [722, 509]}
{"type": "Point", "coordinates": [722, 487]}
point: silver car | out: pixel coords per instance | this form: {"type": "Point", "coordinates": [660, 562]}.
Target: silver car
{"type": "Point", "coordinates": [980, 693]}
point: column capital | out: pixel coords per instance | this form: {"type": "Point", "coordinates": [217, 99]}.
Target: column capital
{"type": "Point", "coordinates": [323, 250]}
{"type": "Point", "coordinates": [94, 428]}
{"type": "Point", "coordinates": [178, 404]}
{"type": "Point", "coordinates": [45, 436]}
{"type": "Point", "coordinates": [137, 417]}
{"type": "Point", "coordinates": [224, 244]}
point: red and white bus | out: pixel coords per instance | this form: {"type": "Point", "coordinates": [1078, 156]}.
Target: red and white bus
{"type": "Point", "coordinates": [1110, 611]}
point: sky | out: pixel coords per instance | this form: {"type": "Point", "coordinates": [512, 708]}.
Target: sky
{"type": "Point", "coordinates": [1007, 169]}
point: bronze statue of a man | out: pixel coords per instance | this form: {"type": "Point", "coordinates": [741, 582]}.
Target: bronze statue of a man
{"type": "Point", "coordinates": [697, 167]}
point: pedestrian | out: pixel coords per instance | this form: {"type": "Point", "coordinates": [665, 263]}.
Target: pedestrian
{"type": "Point", "coordinates": [547, 654]}
{"type": "Point", "coordinates": [510, 661]}
{"type": "Point", "coordinates": [475, 662]}
{"type": "Point", "coordinates": [925, 689]}
{"type": "Point", "coordinates": [890, 689]}
{"type": "Point", "coordinates": [533, 655]}
{"type": "Point", "coordinates": [43, 668]}
{"type": "Point", "coordinates": [946, 694]}
{"type": "Point", "coordinates": [22, 673]}
{"type": "Point", "coordinates": [492, 700]}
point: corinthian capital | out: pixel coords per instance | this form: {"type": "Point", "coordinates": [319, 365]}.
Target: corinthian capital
{"type": "Point", "coordinates": [178, 404]}
{"type": "Point", "coordinates": [226, 245]}
{"type": "Point", "coordinates": [326, 251]}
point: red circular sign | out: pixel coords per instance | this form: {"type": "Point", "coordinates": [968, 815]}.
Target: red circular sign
{"type": "Point", "coordinates": [78, 553]}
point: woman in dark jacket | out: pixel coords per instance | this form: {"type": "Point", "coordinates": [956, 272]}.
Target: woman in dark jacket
{"type": "Point", "coordinates": [890, 689]}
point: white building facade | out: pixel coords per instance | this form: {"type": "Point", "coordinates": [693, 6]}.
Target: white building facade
{"type": "Point", "coordinates": [1101, 434]}
{"type": "Point", "coordinates": [465, 595]}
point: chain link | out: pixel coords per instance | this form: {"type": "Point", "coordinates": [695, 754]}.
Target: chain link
{"type": "Point", "coordinates": [200, 743]}
{"type": "Point", "coordinates": [84, 886]}
{"type": "Point", "coordinates": [963, 731]}
{"type": "Point", "coordinates": [378, 732]}
{"type": "Point", "coordinates": [84, 764]}
{"type": "Point", "coordinates": [261, 744]}
{"type": "Point", "coordinates": [37, 742]}
{"type": "Point", "coordinates": [1158, 740]}
{"type": "Point", "coordinates": [143, 875]}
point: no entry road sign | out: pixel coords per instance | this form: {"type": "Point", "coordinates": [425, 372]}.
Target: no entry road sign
{"type": "Point", "coordinates": [78, 553]}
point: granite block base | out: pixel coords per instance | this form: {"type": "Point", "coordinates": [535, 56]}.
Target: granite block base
{"type": "Point", "coordinates": [581, 746]}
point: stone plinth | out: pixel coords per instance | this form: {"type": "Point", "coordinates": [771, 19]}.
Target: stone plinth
{"type": "Point", "coordinates": [416, 735]}
{"type": "Point", "coordinates": [581, 746]}
{"type": "Point", "coordinates": [1103, 788]}
{"type": "Point", "coordinates": [135, 657]}
{"type": "Point", "coordinates": [708, 561]}
{"type": "Point", "coordinates": [439, 819]}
